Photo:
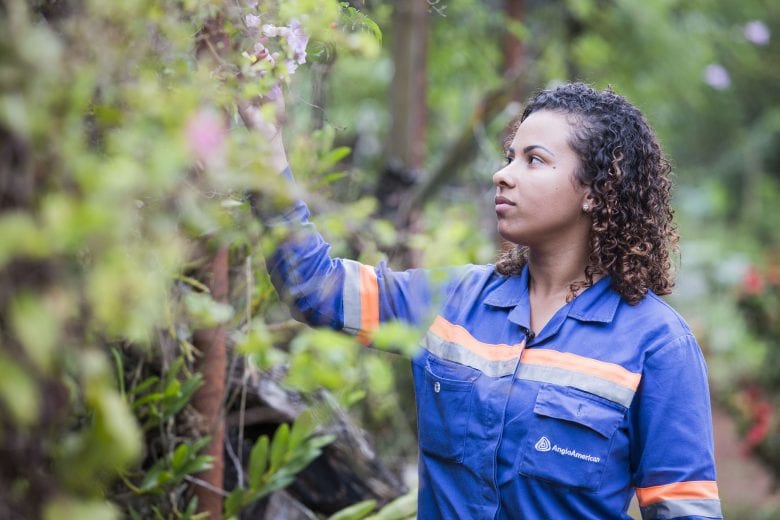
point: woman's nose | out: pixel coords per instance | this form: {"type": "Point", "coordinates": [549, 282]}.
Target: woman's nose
{"type": "Point", "coordinates": [502, 178]}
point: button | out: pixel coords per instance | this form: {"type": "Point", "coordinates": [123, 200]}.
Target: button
{"type": "Point", "coordinates": [437, 387]}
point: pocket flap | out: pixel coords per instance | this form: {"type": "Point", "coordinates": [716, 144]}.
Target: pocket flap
{"type": "Point", "coordinates": [571, 404]}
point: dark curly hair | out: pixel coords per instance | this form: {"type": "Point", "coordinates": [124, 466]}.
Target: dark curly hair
{"type": "Point", "coordinates": [633, 234]}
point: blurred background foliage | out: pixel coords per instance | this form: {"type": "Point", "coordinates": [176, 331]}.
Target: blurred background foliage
{"type": "Point", "coordinates": [123, 166]}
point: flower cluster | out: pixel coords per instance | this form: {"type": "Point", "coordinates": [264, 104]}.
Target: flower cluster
{"type": "Point", "coordinates": [756, 403]}
{"type": "Point", "coordinates": [290, 38]}
{"type": "Point", "coordinates": [716, 75]}
{"type": "Point", "coordinates": [757, 414]}
{"type": "Point", "coordinates": [759, 302]}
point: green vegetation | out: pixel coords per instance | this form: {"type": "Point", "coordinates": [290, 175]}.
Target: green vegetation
{"type": "Point", "coordinates": [124, 162]}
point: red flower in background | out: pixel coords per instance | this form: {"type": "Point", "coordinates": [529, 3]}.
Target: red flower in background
{"type": "Point", "coordinates": [760, 415]}
{"type": "Point", "coordinates": [752, 283]}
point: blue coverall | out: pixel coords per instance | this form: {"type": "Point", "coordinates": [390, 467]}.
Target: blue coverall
{"type": "Point", "coordinates": [608, 400]}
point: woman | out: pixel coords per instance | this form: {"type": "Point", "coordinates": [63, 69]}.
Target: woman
{"type": "Point", "coordinates": [556, 383]}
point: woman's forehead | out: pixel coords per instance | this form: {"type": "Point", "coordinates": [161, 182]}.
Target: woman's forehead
{"type": "Point", "coordinates": [553, 129]}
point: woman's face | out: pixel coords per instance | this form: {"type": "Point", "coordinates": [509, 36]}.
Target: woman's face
{"type": "Point", "coordinates": [539, 203]}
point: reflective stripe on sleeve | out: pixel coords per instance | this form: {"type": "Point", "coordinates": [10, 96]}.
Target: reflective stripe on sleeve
{"type": "Point", "coordinates": [607, 380]}
{"type": "Point", "coordinates": [454, 343]}
{"type": "Point", "coordinates": [708, 508]}
{"type": "Point", "coordinates": [695, 498]}
{"type": "Point", "coordinates": [360, 300]}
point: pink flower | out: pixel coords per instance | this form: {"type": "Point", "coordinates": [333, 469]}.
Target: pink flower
{"type": "Point", "coordinates": [716, 76]}
{"type": "Point", "coordinates": [270, 30]}
{"type": "Point", "coordinates": [275, 93]}
{"type": "Point", "coordinates": [205, 135]}
{"type": "Point", "coordinates": [252, 20]}
{"type": "Point", "coordinates": [297, 39]}
{"type": "Point", "coordinates": [757, 32]}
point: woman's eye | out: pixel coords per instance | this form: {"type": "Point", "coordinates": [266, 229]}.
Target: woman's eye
{"type": "Point", "coordinates": [509, 159]}
{"type": "Point", "coordinates": [534, 159]}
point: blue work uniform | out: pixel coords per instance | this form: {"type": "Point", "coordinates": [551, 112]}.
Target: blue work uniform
{"type": "Point", "coordinates": [608, 400]}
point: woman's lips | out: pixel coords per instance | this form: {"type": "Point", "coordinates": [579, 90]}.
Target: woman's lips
{"type": "Point", "coordinates": [503, 203]}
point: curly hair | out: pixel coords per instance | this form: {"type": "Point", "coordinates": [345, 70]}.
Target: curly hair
{"type": "Point", "coordinates": [633, 234]}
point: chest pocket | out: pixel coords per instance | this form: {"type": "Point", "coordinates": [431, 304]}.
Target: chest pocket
{"type": "Point", "coordinates": [444, 405]}
{"type": "Point", "coordinates": [570, 437]}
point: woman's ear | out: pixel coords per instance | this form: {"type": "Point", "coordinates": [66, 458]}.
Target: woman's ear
{"type": "Point", "coordinates": [588, 202]}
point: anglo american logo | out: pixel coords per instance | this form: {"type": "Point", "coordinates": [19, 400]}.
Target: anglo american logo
{"type": "Point", "coordinates": [544, 445]}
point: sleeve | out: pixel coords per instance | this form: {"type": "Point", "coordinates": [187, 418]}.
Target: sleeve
{"type": "Point", "coordinates": [672, 441]}
{"type": "Point", "coordinates": [341, 294]}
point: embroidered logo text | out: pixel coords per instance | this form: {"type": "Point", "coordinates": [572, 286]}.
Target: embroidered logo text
{"type": "Point", "coordinates": [544, 444]}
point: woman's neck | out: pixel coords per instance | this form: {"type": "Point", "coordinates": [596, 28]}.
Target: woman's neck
{"type": "Point", "coordinates": [553, 274]}
{"type": "Point", "coordinates": [550, 280]}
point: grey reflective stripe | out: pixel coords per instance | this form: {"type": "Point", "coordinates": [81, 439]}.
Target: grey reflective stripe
{"type": "Point", "coordinates": [353, 318]}
{"type": "Point", "coordinates": [592, 384]}
{"type": "Point", "coordinates": [706, 507]}
{"type": "Point", "coordinates": [450, 351]}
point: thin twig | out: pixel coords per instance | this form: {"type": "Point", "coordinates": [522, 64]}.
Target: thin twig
{"type": "Point", "coordinates": [204, 484]}
{"type": "Point", "coordinates": [235, 459]}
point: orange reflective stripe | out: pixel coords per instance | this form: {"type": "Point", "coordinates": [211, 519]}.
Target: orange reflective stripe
{"type": "Point", "coordinates": [604, 370]}
{"type": "Point", "coordinates": [457, 334]}
{"type": "Point", "coordinates": [369, 303]}
{"type": "Point", "coordinates": [677, 491]}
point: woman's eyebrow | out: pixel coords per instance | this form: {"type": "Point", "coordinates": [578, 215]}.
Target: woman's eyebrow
{"type": "Point", "coordinates": [533, 146]}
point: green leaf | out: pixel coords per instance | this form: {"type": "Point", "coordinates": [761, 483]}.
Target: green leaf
{"type": "Point", "coordinates": [192, 507]}
{"type": "Point", "coordinates": [148, 398]}
{"type": "Point", "coordinates": [180, 455]}
{"type": "Point", "coordinates": [355, 511]}
{"type": "Point", "coordinates": [258, 461]}
{"type": "Point", "coordinates": [279, 446]}
{"type": "Point", "coordinates": [402, 508]}
{"type": "Point", "coordinates": [302, 428]}
{"type": "Point", "coordinates": [300, 460]}
{"type": "Point", "coordinates": [186, 461]}
{"type": "Point", "coordinates": [197, 465]}
{"type": "Point", "coordinates": [143, 385]}
{"type": "Point", "coordinates": [155, 477]}
{"type": "Point", "coordinates": [120, 370]}
{"type": "Point", "coordinates": [205, 311]}
{"type": "Point", "coordinates": [116, 429]}
{"type": "Point", "coordinates": [68, 508]}
{"type": "Point", "coordinates": [36, 328]}
{"type": "Point", "coordinates": [332, 157]}
{"type": "Point", "coordinates": [279, 481]}
{"type": "Point", "coordinates": [173, 389]}
{"type": "Point", "coordinates": [18, 391]}
{"type": "Point", "coordinates": [397, 337]}
{"type": "Point", "coordinates": [235, 501]}
{"type": "Point", "coordinates": [321, 441]}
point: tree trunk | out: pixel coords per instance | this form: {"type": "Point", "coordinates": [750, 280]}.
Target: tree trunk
{"type": "Point", "coordinates": [406, 144]}
{"type": "Point", "coordinates": [513, 48]}
{"type": "Point", "coordinates": [211, 343]}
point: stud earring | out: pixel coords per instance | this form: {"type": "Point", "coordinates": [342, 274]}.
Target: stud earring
{"type": "Point", "coordinates": [585, 207]}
